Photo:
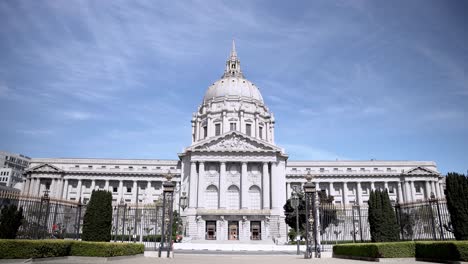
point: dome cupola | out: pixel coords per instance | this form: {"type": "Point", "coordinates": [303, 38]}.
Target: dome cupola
{"type": "Point", "coordinates": [233, 84]}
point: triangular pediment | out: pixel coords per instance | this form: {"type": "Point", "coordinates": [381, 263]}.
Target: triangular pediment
{"type": "Point", "coordinates": [420, 171]}
{"type": "Point", "coordinates": [234, 141]}
{"type": "Point", "coordinates": [44, 168]}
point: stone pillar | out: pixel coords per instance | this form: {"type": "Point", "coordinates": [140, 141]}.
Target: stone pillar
{"type": "Point", "coordinates": [93, 185]}
{"type": "Point", "coordinates": [201, 184]}
{"type": "Point", "coordinates": [78, 189]}
{"type": "Point", "coordinates": [121, 187]}
{"type": "Point", "coordinates": [148, 187]}
{"type": "Point", "coordinates": [372, 186]}
{"type": "Point", "coordinates": [332, 190]}
{"type": "Point", "coordinates": [241, 122]}
{"type": "Point", "coordinates": [65, 190]}
{"type": "Point", "coordinates": [222, 185]}
{"type": "Point", "coordinates": [359, 193]}
{"type": "Point", "coordinates": [345, 194]}
{"type": "Point", "coordinates": [244, 187]}
{"type": "Point", "coordinates": [400, 193]}
{"type": "Point", "coordinates": [386, 186]}
{"type": "Point", "coordinates": [26, 186]}
{"type": "Point", "coordinates": [441, 189]}
{"type": "Point", "coordinates": [193, 185]}
{"type": "Point", "coordinates": [135, 191]}
{"type": "Point", "coordinates": [59, 194]}
{"type": "Point", "coordinates": [436, 190]}
{"type": "Point", "coordinates": [413, 196]}
{"type": "Point", "coordinates": [266, 186]}
{"type": "Point", "coordinates": [106, 185]}
{"type": "Point", "coordinates": [288, 190]}
{"type": "Point", "coordinates": [428, 190]}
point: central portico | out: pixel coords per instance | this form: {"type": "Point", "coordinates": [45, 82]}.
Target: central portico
{"type": "Point", "coordinates": [233, 164]}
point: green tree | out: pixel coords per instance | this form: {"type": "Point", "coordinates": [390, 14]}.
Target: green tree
{"type": "Point", "coordinates": [10, 221]}
{"type": "Point", "coordinates": [327, 212]}
{"type": "Point", "coordinates": [382, 219]}
{"type": "Point", "coordinates": [97, 221]}
{"type": "Point", "coordinates": [456, 194]}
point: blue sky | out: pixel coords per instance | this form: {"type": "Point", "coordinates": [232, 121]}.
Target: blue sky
{"type": "Point", "coordinates": [345, 79]}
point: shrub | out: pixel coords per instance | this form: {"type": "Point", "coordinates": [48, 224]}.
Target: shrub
{"type": "Point", "coordinates": [443, 250]}
{"type": "Point", "coordinates": [97, 221]}
{"type": "Point", "coordinates": [376, 250]}
{"type": "Point", "coordinates": [10, 221]}
{"type": "Point", "coordinates": [23, 249]}
{"type": "Point", "coordinates": [457, 204]}
{"type": "Point", "coordinates": [105, 249]}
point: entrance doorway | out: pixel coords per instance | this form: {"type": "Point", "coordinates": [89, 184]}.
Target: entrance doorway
{"type": "Point", "coordinates": [233, 228]}
{"type": "Point", "coordinates": [210, 230]}
{"type": "Point", "coordinates": [255, 230]}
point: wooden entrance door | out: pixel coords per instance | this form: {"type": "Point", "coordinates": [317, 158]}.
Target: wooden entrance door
{"type": "Point", "coordinates": [233, 230]}
{"type": "Point", "coordinates": [255, 230]}
{"type": "Point", "coordinates": [210, 230]}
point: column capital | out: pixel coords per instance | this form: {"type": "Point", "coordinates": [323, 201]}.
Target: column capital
{"type": "Point", "coordinates": [193, 162]}
{"type": "Point", "coordinates": [222, 162]}
{"type": "Point", "coordinates": [244, 162]}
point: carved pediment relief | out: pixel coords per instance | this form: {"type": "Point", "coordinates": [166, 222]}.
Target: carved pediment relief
{"type": "Point", "coordinates": [233, 142]}
{"type": "Point", "coordinates": [45, 168]}
{"type": "Point", "coordinates": [420, 171]}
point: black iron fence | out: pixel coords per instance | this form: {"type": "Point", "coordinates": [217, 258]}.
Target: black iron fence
{"type": "Point", "coordinates": [425, 220]}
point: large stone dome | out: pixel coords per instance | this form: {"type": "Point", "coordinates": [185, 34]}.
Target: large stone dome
{"type": "Point", "coordinates": [233, 87]}
{"type": "Point", "coordinates": [233, 84]}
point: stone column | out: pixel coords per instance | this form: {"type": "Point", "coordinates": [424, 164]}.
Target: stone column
{"type": "Point", "coordinates": [121, 189]}
{"type": "Point", "coordinates": [386, 186]}
{"type": "Point", "coordinates": [52, 188]}
{"type": "Point", "coordinates": [241, 122]}
{"type": "Point", "coordinates": [436, 190]}
{"type": "Point", "coordinates": [201, 184]}
{"type": "Point", "coordinates": [400, 193]}
{"type": "Point", "coordinates": [441, 189]}
{"type": "Point", "coordinates": [372, 186]}
{"type": "Point", "coordinates": [78, 189]}
{"type": "Point", "coordinates": [413, 196]}
{"type": "Point", "coordinates": [135, 191]}
{"type": "Point", "coordinates": [106, 185]}
{"type": "Point", "coordinates": [288, 190]}
{"type": "Point", "coordinates": [407, 191]}
{"type": "Point", "coordinates": [428, 190]}
{"type": "Point", "coordinates": [65, 190]}
{"type": "Point", "coordinates": [331, 189]}
{"type": "Point", "coordinates": [359, 193]}
{"type": "Point", "coordinates": [244, 187]}
{"type": "Point", "coordinates": [93, 185]}
{"type": "Point", "coordinates": [193, 185]}
{"type": "Point", "coordinates": [345, 194]}
{"type": "Point", "coordinates": [26, 186]}
{"type": "Point", "coordinates": [60, 190]}
{"type": "Point", "coordinates": [266, 186]}
{"type": "Point", "coordinates": [222, 185]}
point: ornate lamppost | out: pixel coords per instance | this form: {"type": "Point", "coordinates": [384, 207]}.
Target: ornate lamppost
{"type": "Point", "coordinates": [295, 205]}
{"type": "Point", "coordinates": [311, 218]}
{"type": "Point", "coordinates": [167, 216]}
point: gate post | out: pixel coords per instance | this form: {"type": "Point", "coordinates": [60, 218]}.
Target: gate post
{"type": "Point", "coordinates": [167, 216]}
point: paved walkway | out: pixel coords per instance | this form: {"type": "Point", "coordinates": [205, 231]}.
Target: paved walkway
{"type": "Point", "coordinates": [214, 259]}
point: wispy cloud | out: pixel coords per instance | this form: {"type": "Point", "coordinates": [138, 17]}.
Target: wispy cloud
{"type": "Point", "coordinates": [79, 115]}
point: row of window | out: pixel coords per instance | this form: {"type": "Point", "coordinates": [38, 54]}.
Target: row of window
{"type": "Point", "coordinates": [118, 167]}
{"type": "Point", "coordinates": [233, 127]}
{"type": "Point", "coordinates": [4, 173]}
{"type": "Point", "coordinates": [337, 169]}
{"type": "Point", "coordinates": [4, 179]}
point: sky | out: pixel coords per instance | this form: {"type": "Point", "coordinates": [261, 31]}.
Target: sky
{"type": "Point", "coordinates": [346, 80]}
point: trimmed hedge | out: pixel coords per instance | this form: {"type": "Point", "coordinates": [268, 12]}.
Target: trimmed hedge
{"type": "Point", "coordinates": [443, 250]}
{"type": "Point", "coordinates": [23, 249]}
{"type": "Point", "coordinates": [428, 250]}
{"type": "Point", "coordinates": [376, 250]}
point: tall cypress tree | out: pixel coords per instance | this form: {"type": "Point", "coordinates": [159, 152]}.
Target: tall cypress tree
{"type": "Point", "coordinates": [382, 219]}
{"type": "Point", "coordinates": [457, 204]}
{"type": "Point", "coordinates": [97, 221]}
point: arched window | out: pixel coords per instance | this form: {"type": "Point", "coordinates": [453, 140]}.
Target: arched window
{"type": "Point", "coordinates": [233, 197]}
{"type": "Point", "coordinates": [254, 198]}
{"type": "Point", "coordinates": [211, 197]}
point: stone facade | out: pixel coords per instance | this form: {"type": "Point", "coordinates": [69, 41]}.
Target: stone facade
{"type": "Point", "coordinates": [235, 177]}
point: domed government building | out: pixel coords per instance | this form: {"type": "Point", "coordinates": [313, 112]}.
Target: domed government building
{"type": "Point", "coordinates": [235, 176]}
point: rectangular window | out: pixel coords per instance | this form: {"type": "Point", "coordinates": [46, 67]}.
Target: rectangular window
{"type": "Point", "coordinates": [363, 169]}
{"type": "Point", "coordinates": [205, 132]}
{"type": "Point", "coordinates": [260, 132]}
{"type": "Point", "coordinates": [129, 189]}
{"type": "Point", "coordinates": [389, 169]}
{"type": "Point", "coordinates": [294, 169]}
{"type": "Point", "coordinates": [117, 167]}
{"type": "Point", "coordinates": [115, 189]}
{"type": "Point", "coordinates": [90, 166]}
{"type": "Point", "coordinates": [376, 169]}
{"type": "Point", "coordinates": [130, 167]}
{"type": "Point", "coordinates": [335, 169]}
{"type": "Point", "coordinates": [248, 129]}
{"type": "Point", "coordinates": [232, 126]}
{"type": "Point", "coordinates": [217, 129]}
{"type": "Point", "coordinates": [144, 167]}
{"type": "Point", "coordinates": [348, 169]}
{"type": "Point", "coordinates": [103, 167]}
{"type": "Point", "coordinates": [322, 169]}
{"type": "Point", "coordinates": [77, 166]}
{"type": "Point", "coordinates": [172, 168]}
